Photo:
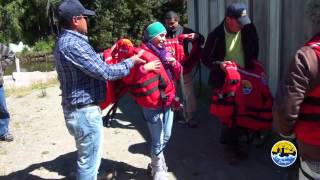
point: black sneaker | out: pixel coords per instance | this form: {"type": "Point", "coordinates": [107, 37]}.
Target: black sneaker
{"type": "Point", "coordinates": [8, 137]}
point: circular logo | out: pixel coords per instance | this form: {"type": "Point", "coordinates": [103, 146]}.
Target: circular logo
{"type": "Point", "coordinates": [284, 153]}
{"type": "Point", "coordinates": [246, 87]}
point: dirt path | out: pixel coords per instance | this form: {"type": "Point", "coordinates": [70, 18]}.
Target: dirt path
{"type": "Point", "coordinates": [43, 149]}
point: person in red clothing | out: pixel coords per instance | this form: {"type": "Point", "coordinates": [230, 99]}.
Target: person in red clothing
{"type": "Point", "coordinates": [152, 87]}
{"type": "Point", "coordinates": [160, 117]}
{"type": "Point", "coordinates": [189, 60]}
{"type": "Point", "coordinates": [296, 109]}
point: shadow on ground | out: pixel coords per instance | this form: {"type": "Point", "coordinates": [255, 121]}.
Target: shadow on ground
{"type": "Point", "coordinates": [196, 154]}
{"type": "Point", "coordinates": [64, 166]}
{"type": "Point", "coordinates": [192, 154]}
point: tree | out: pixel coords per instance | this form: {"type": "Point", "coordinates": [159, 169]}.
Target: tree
{"type": "Point", "coordinates": [10, 14]}
{"type": "Point", "coordinates": [31, 21]}
{"type": "Point", "coordinates": [125, 18]}
{"type": "Point", "coordinates": [122, 18]}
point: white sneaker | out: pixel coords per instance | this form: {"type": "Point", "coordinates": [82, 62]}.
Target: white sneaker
{"type": "Point", "coordinates": [160, 175]}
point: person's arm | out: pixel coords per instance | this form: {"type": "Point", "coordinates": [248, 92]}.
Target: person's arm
{"type": "Point", "coordinates": [300, 79]}
{"type": "Point", "coordinates": [198, 38]}
{"type": "Point", "coordinates": [7, 56]}
{"type": "Point", "coordinates": [87, 60]}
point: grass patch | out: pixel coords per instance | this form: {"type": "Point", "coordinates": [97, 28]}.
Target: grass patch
{"type": "Point", "coordinates": [23, 91]}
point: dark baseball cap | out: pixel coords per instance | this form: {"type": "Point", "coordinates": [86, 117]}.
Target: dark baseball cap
{"type": "Point", "coordinates": [238, 11]}
{"type": "Point", "coordinates": [70, 8]}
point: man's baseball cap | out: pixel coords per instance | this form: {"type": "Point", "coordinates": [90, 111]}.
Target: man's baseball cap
{"type": "Point", "coordinates": [70, 8]}
{"type": "Point", "coordinates": [238, 11]}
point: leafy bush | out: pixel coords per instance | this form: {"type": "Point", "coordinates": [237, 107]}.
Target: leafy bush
{"type": "Point", "coordinates": [45, 46]}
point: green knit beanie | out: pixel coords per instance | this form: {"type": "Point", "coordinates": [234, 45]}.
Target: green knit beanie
{"type": "Point", "coordinates": [153, 30]}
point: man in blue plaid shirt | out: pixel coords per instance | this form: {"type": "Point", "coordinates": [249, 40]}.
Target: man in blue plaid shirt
{"type": "Point", "coordinates": [82, 74]}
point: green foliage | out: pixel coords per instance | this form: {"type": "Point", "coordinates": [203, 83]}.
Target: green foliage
{"type": "Point", "coordinates": [30, 21]}
{"type": "Point", "coordinates": [44, 46]}
{"type": "Point", "coordinates": [127, 18]}
{"type": "Point", "coordinates": [10, 15]}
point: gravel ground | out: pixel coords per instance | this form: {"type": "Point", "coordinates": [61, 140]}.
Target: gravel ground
{"type": "Point", "coordinates": [43, 148]}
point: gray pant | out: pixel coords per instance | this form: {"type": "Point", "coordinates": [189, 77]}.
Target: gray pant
{"type": "Point", "coordinates": [188, 93]}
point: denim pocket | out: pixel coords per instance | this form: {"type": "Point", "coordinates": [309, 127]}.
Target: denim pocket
{"type": "Point", "coordinates": [72, 123]}
{"type": "Point", "coordinates": [92, 115]}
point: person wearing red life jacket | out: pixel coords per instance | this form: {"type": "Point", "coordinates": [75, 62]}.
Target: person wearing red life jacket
{"type": "Point", "coordinates": [159, 116]}
{"type": "Point", "coordinates": [188, 60]}
{"type": "Point", "coordinates": [152, 87]}
{"type": "Point", "coordinates": [297, 107]}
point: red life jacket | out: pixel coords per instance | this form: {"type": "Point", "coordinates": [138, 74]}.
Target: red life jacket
{"type": "Point", "coordinates": [248, 103]}
{"type": "Point", "coordinates": [119, 51]}
{"type": "Point", "coordinates": [153, 89]}
{"type": "Point", "coordinates": [176, 47]}
{"type": "Point", "coordinates": [307, 128]}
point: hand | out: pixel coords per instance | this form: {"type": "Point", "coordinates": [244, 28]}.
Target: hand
{"type": "Point", "coordinates": [224, 64]}
{"type": "Point", "coordinates": [192, 36]}
{"type": "Point", "coordinates": [137, 60]}
{"type": "Point", "coordinates": [152, 66]}
{"type": "Point", "coordinates": [172, 61]}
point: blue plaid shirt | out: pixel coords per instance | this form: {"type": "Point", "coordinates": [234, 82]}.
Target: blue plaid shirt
{"type": "Point", "coordinates": [82, 72]}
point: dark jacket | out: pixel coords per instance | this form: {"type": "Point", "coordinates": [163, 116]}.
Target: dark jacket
{"type": "Point", "coordinates": [7, 57]}
{"type": "Point", "coordinates": [215, 50]}
{"type": "Point", "coordinates": [302, 77]}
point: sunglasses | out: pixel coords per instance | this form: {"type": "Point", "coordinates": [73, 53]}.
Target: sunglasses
{"type": "Point", "coordinates": [81, 17]}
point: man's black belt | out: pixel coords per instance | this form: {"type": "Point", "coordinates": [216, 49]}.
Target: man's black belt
{"type": "Point", "coordinates": [80, 106]}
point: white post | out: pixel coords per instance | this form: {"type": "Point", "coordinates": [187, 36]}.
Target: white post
{"type": "Point", "coordinates": [274, 44]}
{"type": "Point", "coordinates": [17, 61]}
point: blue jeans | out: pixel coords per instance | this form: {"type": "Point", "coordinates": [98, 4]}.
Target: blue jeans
{"type": "Point", "coordinates": [85, 125]}
{"type": "Point", "coordinates": [4, 114]}
{"type": "Point", "coordinates": [159, 127]}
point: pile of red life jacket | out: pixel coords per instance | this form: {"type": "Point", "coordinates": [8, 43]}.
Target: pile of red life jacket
{"type": "Point", "coordinates": [245, 99]}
